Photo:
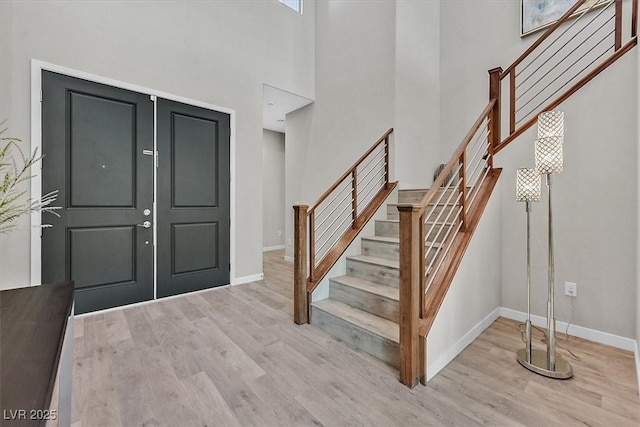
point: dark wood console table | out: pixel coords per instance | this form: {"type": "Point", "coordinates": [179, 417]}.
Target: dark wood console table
{"type": "Point", "coordinates": [36, 348]}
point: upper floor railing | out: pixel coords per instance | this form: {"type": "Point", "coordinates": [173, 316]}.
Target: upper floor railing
{"type": "Point", "coordinates": [587, 39]}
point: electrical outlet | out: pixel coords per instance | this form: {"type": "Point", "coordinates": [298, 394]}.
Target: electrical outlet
{"type": "Point", "coordinates": [571, 289]}
{"type": "Point", "coordinates": [279, 233]}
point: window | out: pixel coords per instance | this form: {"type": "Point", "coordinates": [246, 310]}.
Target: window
{"type": "Point", "coordinates": [293, 4]}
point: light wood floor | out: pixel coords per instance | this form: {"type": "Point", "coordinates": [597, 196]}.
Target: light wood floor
{"type": "Point", "coordinates": [233, 357]}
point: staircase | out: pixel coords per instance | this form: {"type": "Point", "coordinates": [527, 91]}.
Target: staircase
{"type": "Point", "coordinates": [363, 305]}
{"type": "Point", "coordinates": [387, 302]}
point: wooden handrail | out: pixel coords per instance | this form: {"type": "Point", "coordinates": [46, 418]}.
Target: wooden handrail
{"type": "Point", "coordinates": [543, 37]}
{"type": "Point", "coordinates": [454, 158]}
{"type": "Point", "coordinates": [307, 275]}
{"type": "Point", "coordinates": [344, 176]}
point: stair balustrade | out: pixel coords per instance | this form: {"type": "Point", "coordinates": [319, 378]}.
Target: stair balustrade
{"type": "Point", "coordinates": [441, 224]}
{"type": "Point", "coordinates": [325, 230]}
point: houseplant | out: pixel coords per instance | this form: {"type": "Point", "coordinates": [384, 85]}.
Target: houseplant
{"type": "Point", "coordinates": [15, 169]}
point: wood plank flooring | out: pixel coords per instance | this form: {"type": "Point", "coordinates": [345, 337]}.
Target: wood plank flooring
{"type": "Point", "coordinates": [234, 357]}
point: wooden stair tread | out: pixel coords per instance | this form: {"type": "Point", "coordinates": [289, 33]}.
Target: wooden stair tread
{"type": "Point", "coordinates": [372, 323]}
{"type": "Point", "coordinates": [384, 262]}
{"type": "Point", "coordinates": [385, 239]}
{"type": "Point", "coordinates": [382, 239]}
{"type": "Point", "coordinates": [368, 286]}
{"type": "Point", "coordinates": [388, 220]}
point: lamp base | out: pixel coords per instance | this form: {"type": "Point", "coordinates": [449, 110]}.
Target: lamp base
{"type": "Point", "coordinates": [538, 364]}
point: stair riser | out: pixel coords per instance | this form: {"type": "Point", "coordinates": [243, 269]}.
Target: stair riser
{"type": "Point", "coordinates": [392, 212]}
{"type": "Point", "coordinates": [387, 229]}
{"type": "Point", "coordinates": [375, 304]}
{"type": "Point", "coordinates": [373, 344]}
{"type": "Point", "coordinates": [389, 250]}
{"type": "Point", "coordinates": [392, 229]}
{"type": "Point", "coordinates": [376, 273]}
{"type": "Point", "coordinates": [415, 196]}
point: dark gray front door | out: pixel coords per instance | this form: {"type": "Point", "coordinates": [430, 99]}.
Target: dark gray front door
{"type": "Point", "coordinates": [93, 141]}
{"type": "Point", "coordinates": [193, 198]}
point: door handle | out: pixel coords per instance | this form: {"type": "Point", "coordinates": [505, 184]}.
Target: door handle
{"type": "Point", "coordinates": [145, 224]}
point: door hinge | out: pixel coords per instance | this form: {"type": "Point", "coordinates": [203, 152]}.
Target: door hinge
{"type": "Point", "coordinates": [41, 95]}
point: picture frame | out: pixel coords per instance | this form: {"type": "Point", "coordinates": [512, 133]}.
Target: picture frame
{"type": "Point", "coordinates": [536, 15]}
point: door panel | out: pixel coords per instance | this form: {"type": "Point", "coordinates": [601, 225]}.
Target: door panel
{"type": "Point", "coordinates": [93, 137]}
{"type": "Point", "coordinates": [193, 198]}
{"type": "Point", "coordinates": [194, 163]}
{"type": "Point", "coordinates": [101, 155]}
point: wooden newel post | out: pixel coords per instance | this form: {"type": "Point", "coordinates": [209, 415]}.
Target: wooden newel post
{"type": "Point", "coordinates": [618, 24]}
{"type": "Point", "coordinates": [494, 116]}
{"type": "Point", "coordinates": [410, 279]}
{"type": "Point", "coordinates": [634, 18]}
{"type": "Point", "coordinates": [300, 295]}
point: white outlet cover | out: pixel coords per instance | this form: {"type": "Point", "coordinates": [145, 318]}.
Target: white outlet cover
{"type": "Point", "coordinates": [570, 289]}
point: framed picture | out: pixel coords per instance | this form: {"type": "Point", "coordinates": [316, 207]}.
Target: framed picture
{"type": "Point", "coordinates": [536, 15]}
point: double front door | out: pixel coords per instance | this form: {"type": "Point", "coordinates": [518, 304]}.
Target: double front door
{"type": "Point", "coordinates": [144, 188]}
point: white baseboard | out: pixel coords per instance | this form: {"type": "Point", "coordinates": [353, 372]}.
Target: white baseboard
{"type": "Point", "coordinates": [461, 344]}
{"type": "Point", "coordinates": [637, 352]}
{"type": "Point", "coordinates": [247, 279]}
{"type": "Point", "coordinates": [577, 331]}
{"type": "Point", "coordinates": [288, 258]}
{"type": "Point", "coordinates": [272, 248]}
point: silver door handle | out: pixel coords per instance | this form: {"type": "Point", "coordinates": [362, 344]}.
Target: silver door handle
{"type": "Point", "coordinates": [145, 224]}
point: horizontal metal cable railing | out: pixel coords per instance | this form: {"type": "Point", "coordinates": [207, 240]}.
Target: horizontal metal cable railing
{"type": "Point", "coordinates": [446, 212]}
{"type": "Point", "coordinates": [324, 230]}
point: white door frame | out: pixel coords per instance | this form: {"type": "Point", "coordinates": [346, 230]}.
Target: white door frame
{"type": "Point", "coordinates": [37, 67]}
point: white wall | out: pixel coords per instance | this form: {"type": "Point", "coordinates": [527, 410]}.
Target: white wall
{"type": "Point", "coordinates": [273, 211]}
{"type": "Point", "coordinates": [354, 98]}
{"type": "Point", "coordinates": [377, 66]}
{"type": "Point", "coordinates": [595, 198]}
{"type": "Point", "coordinates": [219, 52]}
{"type": "Point", "coordinates": [417, 92]}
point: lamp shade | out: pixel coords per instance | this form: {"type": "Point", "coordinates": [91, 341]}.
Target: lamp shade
{"type": "Point", "coordinates": [551, 123]}
{"type": "Point", "coordinates": [527, 185]}
{"type": "Point", "coordinates": [548, 153]}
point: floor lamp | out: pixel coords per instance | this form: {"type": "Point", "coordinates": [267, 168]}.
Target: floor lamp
{"type": "Point", "coordinates": [527, 190]}
{"type": "Point", "coordinates": [549, 160]}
